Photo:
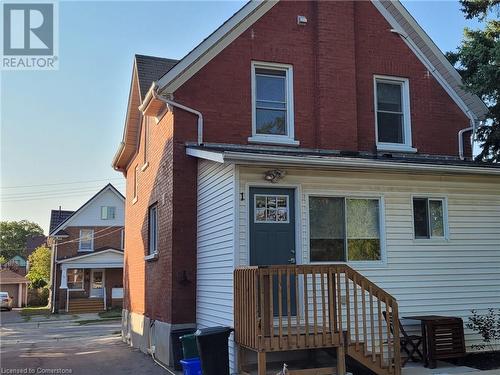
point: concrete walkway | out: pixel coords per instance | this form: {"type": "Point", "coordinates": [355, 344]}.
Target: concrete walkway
{"type": "Point", "coordinates": [444, 368]}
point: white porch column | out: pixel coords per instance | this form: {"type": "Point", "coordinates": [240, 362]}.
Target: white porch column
{"type": "Point", "coordinates": [64, 277]}
{"type": "Point", "coordinates": [20, 298]}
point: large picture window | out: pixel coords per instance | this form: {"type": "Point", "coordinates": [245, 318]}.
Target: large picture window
{"type": "Point", "coordinates": [344, 229]}
{"type": "Point", "coordinates": [272, 103]}
{"type": "Point", "coordinates": [392, 113]}
{"type": "Point", "coordinates": [75, 279]}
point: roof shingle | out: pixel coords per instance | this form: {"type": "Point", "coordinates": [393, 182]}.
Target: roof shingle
{"type": "Point", "coordinates": [150, 69]}
{"type": "Point", "coordinates": [57, 217]}
{"type": "Point", "coordinates": [10, 277]}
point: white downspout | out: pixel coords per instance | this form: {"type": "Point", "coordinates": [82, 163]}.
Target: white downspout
{"type": "Point", "coordinates": [461, 136]}
{"type": "Point", "coordinates": [172, 103]}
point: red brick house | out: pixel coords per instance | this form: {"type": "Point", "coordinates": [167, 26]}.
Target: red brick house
{"type": "Point", "coordinates": [87, 254]}
{"type": "Point", "coordinates": [309, 133]}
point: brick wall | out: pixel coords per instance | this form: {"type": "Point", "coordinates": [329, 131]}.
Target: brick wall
{"type": "Point", "coordinates": [169, 171]}
{"type": "Point", "coordinates": [104, 238]}
{"type": "Point", "coordinates": [334, 57]}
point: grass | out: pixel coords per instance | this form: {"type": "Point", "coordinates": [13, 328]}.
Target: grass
{"type": "Point", "coordinates": [113, 313]}
{"type": "Point", "coordinates": [39, 310]}
{"type": "Point", "coordinates": [94, 321]}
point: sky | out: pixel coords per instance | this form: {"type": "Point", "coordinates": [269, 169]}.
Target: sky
{"type": "Point", "coordinates": [60, 129]}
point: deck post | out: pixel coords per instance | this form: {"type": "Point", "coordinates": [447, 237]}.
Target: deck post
{"type": "Point", "coordinates": [340, 360]}
{"type": "Point", "coordinates": [261, 363]}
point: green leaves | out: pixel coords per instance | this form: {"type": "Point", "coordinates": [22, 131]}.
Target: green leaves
{"type": "Point", "coordinates": [13, 236]}
{"type": "Point", "coordinates": [477, 60]}
{"type": "Point", "coordinates": [39, 261]}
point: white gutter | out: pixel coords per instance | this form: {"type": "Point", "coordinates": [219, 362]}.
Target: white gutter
{"type": "Point", "coordinates": [339, 162]}
{"type": "Point", "coordinates": [461, 140]}
{"type": "Point", "coordinates": [153, 94]}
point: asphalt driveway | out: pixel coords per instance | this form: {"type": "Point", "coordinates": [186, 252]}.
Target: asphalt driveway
{"type": "Point", "coordinates": [66, 347]}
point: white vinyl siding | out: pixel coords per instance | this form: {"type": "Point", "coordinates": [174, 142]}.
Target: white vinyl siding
{"type": "Point", "coordinates": [215, 261]}
{"type": "Point", "coordinates": [444, 276]}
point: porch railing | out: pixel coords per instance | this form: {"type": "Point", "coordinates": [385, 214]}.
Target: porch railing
{"type": "Point", "coordinates": [290, 307]}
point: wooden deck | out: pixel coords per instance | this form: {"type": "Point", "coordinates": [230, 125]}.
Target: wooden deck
{"type": "Point", "coordinates": [298, 307]}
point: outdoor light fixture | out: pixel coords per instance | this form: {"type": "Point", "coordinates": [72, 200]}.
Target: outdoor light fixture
{"type": "Point", "coordinates": [274, 175]}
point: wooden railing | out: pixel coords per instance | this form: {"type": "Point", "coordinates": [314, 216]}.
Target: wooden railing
{"type": "Point", "coordinates": [278, 308]}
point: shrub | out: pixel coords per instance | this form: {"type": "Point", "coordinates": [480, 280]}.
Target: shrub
{"type": "Point", "coordinates": [488, 326]}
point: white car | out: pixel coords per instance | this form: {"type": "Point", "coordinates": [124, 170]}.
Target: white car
{"type": "Point", "coordinates": [5, 301]}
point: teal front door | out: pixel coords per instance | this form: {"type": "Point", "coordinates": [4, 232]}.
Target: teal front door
{"type": "Point", "coordinates": [272, 232]}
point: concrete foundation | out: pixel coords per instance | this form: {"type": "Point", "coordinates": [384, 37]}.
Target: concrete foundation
{"type": "Point", "coordinates": [139, 331]}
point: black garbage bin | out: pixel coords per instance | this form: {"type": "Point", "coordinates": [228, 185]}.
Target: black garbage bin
{"type": "Point", "coordinates": [213, 348]}
{"type": "Point", "coordinates": [177, 345]}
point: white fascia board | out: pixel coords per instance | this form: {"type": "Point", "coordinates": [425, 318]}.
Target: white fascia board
{"type": "Point", "coordinates": [69, 260]}
{"type": "Point", "coordinates": [75, 214]}
{"type": "Point", "coordinates": [207, 155]}
{"type": "Point", "coordinates": [360, 164]}
{"type": "Point", "coordinates": [214, 44]}
{"type": "Point", "coordinates": [424, 58]}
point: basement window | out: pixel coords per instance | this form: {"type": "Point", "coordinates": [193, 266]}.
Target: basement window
{"type": "Point", "coordinates": [429, 218]}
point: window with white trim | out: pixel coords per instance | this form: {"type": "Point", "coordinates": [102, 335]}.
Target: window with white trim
{"type": "Point", "coordinates": [75, 278]}
{"type": "Point", "coordinates": [86, 240]}
{"type": "Point", "coordinates": [272, 103]}
{"type": "Point", "coordinates": [153, 229]}
{"type": "Point", "coordinates": [392, 113]}
{"type": "Point", "coordinates": [429, 218]}
{"type": "Point", "coordinates": [108, 212]}
{"type": "Point", "coordinates": [344, 229]}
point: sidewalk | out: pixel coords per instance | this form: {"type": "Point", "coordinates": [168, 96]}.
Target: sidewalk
{"type": "Point", "coordinates": [444, 368]}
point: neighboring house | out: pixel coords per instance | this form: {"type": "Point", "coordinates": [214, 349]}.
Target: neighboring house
{"type": "Point", "coordinates": [16, 285]}
{"type": "Point", "coordinates": [33, 243]}
{"type": "Point", "coordinates": [87, 254]}
{"type": "Point", "coordinates": [312, 133]}
{"type": "Point", "coordinates": [18, 264]}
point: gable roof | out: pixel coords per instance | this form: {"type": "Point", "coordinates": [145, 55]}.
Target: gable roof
{"type": "Point", "coordinates": [149, 69]}
{"type": "Point", "coordinates": [57, 217]}
{"type": "Point", "coordinates": [397, 16]}
{"type": "Point", "coordinates": [431, 56]}
{"type": "Point", "coordinates": [36, 241]}
{"type": "Point", "coordinates": [394, 12]}
{"type": "Point", "coordinates": [94, 254]}
{"type": "Point", "coordinates": [10, 277]}
{"type": "Point", "coordinates": [58, 230]}
{"type": "Point", "coordinates": [146, 70]}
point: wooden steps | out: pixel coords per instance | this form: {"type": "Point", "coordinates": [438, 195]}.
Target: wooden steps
{"type": "Point", "coordinates": [85, 305]}
{"type": "Point", "coordinates": [373, 362]}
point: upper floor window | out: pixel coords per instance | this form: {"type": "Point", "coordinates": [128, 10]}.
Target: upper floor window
{"type": "Point", "coordinates": [86, 240]}
{"type": "Point", "coordinates": [392, 107]}
{"type": "Point", "coordinates": [107, 212]}
{"type": "Point", "coordinates": [429, 217]}
{"type": "Point", "coordinates": [153, 230]}
{"type": "Point", "coordinates": [343, 229]}
{"type": "Point", "coordinates": [272, 103]}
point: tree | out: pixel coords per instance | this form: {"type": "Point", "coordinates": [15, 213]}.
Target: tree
{"type": "Point", "coordinates": [13, 236]}
{"type": "Point", "coordinates": [39, 271]}
{"type": "Point", "coordinates": [477, 60]}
